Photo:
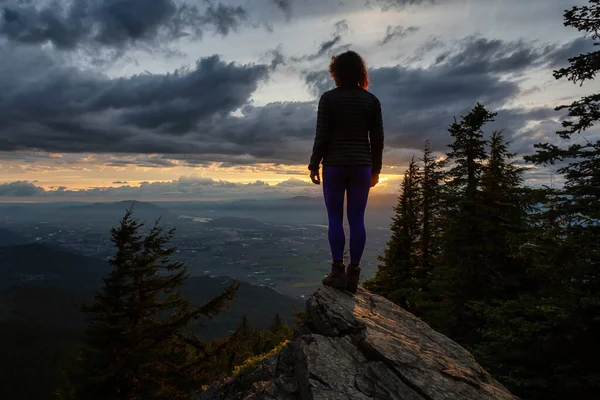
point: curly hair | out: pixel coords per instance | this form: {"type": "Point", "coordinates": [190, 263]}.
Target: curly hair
{"type": "Point", "coordinates": [349, 69]}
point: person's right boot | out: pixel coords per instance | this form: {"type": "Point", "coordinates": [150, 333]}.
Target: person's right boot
{"type": "Point", "coordinates": [336, 277]}
{"type": "Point", "coordinates": [352, 277]}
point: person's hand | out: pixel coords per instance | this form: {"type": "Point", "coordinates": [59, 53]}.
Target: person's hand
{"type": "Point", "coordinates": [374, 180]}
{"type": "Point", "coordinates": [315, 177]}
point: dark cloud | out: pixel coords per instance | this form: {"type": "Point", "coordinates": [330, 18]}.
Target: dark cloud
{"type": "Point", "coordinates": [318, 82]}
{"type": "Point", "coordinates": [326, 48]}
{"type": "Point", "coordinates": [432, 43]}
{"type": "Point", "coordinates": [477, 55]}
{"type": "Point", "coordinates": [69, 24]}
{"type": "Point", "coordinates": [419, 103]}
{"type": "Point", "coordinates": [186, 114]}
{"type": "Point", "coordinates": [277, 56]}
{"type": "Point", "coordinates": [495, 56]}
{"type": "Point", "coordinates": [398, 31]}
{"type": "Point", "coordinates": [285, 10]}
{"type": "Point", "coordinates": [224, 18]}
{"type": "Point", "coordinates": [120, 183]}
{"type": "Point", "coordinates": [559, 58]}
{"type": "Point", "coordinates": [49, 106]}
{"type": "Point", "coordinates": [277, 133]}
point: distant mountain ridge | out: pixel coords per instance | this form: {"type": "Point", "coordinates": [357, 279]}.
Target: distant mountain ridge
{"type": "Point", "coordinates": [144, 211]}
{"type": "Point", "coordinates": [115, 206]}
{"type": "Point", "coordinates": [32, 273]}
{"type": "Point", "coordinates": [45, 265]}
{"type": "Point", "coordinates": [10, 238]}
{"type": "Point", "coordinates": [56, 308]}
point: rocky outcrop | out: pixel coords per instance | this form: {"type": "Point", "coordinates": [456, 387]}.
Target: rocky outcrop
{"type": "Point", "coordinates": [363, 347]}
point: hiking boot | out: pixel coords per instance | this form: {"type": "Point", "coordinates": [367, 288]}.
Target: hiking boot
{"type": "Point", "coordinates": [336, 277]}
{"type": "Point", "coordinates": [352, 277]}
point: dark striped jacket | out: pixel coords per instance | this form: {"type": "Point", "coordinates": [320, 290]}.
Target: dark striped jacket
{"type": "Point", "coordinates": [349, 129]}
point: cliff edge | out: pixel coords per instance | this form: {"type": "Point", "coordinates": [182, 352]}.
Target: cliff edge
{"type": "Point", "coordinates": [362, 347]}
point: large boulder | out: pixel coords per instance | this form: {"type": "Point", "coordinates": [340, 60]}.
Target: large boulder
{"type": "Point", "coordinates": [362, 347]}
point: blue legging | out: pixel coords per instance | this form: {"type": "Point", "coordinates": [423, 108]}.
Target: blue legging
{"type": "Point", "coordinates": [337, 181]}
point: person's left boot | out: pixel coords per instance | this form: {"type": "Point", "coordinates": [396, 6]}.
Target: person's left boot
{"type": "Point", "coordinates": [352, 277]}
{"type": "Point", "coordinates": [336, 277]}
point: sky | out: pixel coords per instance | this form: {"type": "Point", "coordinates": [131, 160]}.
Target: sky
{"type": "Point", "coordinates": [203, 99]}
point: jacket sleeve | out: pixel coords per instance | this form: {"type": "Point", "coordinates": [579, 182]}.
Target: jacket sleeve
{"type": "Point", "coordinates": [376, 138]}
{"type": "Point", "coordinates": [322, 136]}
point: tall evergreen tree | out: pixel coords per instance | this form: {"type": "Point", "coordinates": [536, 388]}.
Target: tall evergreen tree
{"type": "Point", "coordinates": [428, 242]}
{"type": "Point", "coordinates": [467, 157]}
{"type": "Point", "coordinates": [432, 216]}
{"type": "Point", "coordinates": [505, 205]}
{"type": "Point", "coordinates": [509, 231]}
{"type": "Point", "coordinates": [277, 333]}
{"type": "Point", "coordinates": [395, 277]}
{"type": "Point", "coordinates": [573, 287]}
{"type": "Point", "coordinates": [138, 344]}
{"type": "Point", "coordinates": [463, 274]}
{"type": "Point", "coordinates": [241, 344]}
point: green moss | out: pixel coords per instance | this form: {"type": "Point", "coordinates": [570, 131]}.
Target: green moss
{"type": "Point", "coordinates": [252, 362]}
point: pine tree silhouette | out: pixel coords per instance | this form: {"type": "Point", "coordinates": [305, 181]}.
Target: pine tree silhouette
{"type": "Point", "coordinates": [568, 254]}
{"type": "Point", "coordinates": [138, 344]}
{"type": "Point", "coordinates": [394, 277]}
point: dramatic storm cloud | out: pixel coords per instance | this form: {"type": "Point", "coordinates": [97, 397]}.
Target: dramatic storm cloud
{"type": "Point", "coordinates": [49, 106]}
{"type": "Point", "coordinates": [113, 23]}
{"type": "Point", "coordinates": [228, 89]}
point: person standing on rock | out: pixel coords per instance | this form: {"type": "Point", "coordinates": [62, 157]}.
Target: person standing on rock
{"type": "Point", "coordinates": [349, 143]}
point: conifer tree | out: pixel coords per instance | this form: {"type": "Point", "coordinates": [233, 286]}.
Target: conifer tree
{"type": "Point", "coordinates": [395, 277]}
{"type": "Point", "coordinates": [431, 216]}
{"type": "Point", "coordinates": [138, 344]}
{"type": "Point", "coordinates": [463, 274]}
{"type": "Point", "coordinates": [505, 204]}
{"type": "Point", "coordinates": [241, 345]}
{"type": "Point", "coordinates": [428, 247]}
{"type": "Point", "coordinates": [541, 345]}
{"type": "Point", "coordinates": [467, 157]}
{"type": "Point", "coordinates": [509, 232]}
{"type": "Point", "coordinates": [245, 343]}
{"type": "Point", "coordinates": [572, 288]}
{"type": "Point", "coordinates": [277, 333]}
{"type": "Point", "coordinates": [520, 333]}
